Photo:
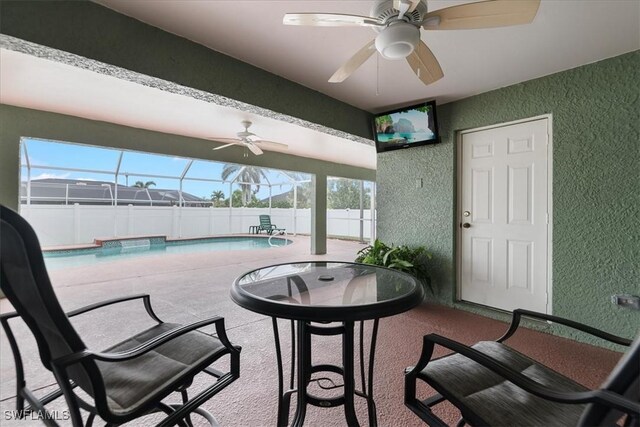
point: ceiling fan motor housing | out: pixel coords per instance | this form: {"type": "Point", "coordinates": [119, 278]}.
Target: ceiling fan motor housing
{"type": "Point", "coordinates": [245, 134]}
{"type": "Point", "coordinates": [384, 11]}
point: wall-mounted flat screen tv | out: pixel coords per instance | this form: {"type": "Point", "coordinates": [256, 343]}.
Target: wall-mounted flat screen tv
{"type": "Point", "coordinates": [406, 127]}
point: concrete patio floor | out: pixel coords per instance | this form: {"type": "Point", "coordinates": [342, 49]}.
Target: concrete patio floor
{"type": "Point", "coordinates": [189, 287]}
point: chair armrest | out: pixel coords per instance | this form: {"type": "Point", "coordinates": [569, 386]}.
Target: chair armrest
{"type": "Point", "coordinates": [517, 315]}
{"type": "Point", "coordinates": [145, 297]}
{"type": "Point", "coordinates": [145, 347]}
{"type": "Point", "coordinates": [7, 316]}
{"type": "Point", "coordinates": [88, 307]}
{"type": "Point", "coordinates": [593, 396]}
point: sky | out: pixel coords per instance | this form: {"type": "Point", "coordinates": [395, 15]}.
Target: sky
{"type": "Point", "coordinates": [419, 120]}
{"type": "Point", "coordinates": [136, 164]}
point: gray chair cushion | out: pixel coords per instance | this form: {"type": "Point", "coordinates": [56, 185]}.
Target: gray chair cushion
{"type": "Point", "coordinates": [129, 384]}
{"type": "Point", "coordinates": [499, 402]}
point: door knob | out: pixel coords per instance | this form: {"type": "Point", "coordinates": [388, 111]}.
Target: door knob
{"type": "Point", "coordinates": [466, 225]}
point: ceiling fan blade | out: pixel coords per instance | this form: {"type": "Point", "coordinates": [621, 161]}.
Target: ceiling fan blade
{"type": "Point", "coordinates": [254, 148]}
{"type": "Point", "coordinates": [424, 64]}
{"type": "Point", "coordinates": [484, 14]}
{"type": "Point", "coordinates": [330, 20]}
{"type": "Point", "coordinates": [403, 8]}
{"type": "Point", "coordinates": [224, 146]}
{"type": "Point", "coordinates": [408, 6]}
{"type": "Point", "coordinates": [225, 140]}
{"type": "Point", "coordinates": [272, 144]}
{"type": "Point", "coordinates": [414, 4]}
{"type": "Point", "coordinates": [353, 63]}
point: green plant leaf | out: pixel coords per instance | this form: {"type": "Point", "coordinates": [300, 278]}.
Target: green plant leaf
{"type": "Point", "coordinates": [414, 261]}
{"type": "Point", "coordinates": [402, 263]}
{"type": "Point", "coordinates": [385, 258]}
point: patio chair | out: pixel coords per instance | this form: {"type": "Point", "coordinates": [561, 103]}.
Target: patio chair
{"type": "Point", "coordinates": [126, 381]}
{"type": "Point", "coordinates": [492, 384]}
{"type": "Point", "coordinates": [266, 225]}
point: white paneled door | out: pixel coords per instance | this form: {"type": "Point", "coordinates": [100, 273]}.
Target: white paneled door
{"type": "Point", "coordinates": [504, 216]}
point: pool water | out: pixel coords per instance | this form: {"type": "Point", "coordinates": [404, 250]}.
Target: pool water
{"type": "Point", "coordinates": [82, 257]}
{"type": "Point", "coordinates": [406, 137]}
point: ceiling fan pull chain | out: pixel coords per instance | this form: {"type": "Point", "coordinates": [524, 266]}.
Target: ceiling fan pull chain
{"type": "Point", "coordinates": [377, 74]}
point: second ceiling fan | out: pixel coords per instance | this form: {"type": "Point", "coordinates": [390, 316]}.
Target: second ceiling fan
{"type": "Point", "coordinates": [249, 140]}
{"type": "Point", "coordinates": [398, 24]}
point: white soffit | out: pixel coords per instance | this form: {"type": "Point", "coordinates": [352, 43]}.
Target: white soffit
{"type": "Point", "coordinates": [37, 83]}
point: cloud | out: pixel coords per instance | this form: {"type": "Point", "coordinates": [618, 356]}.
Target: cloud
{"type": "Point", "coordinates": [46, 175]}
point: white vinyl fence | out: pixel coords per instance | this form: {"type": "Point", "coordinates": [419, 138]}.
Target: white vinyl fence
{"type": "Point", "coordinates": [58, 225]}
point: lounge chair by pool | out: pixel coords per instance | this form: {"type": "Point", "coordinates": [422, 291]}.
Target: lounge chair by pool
{"type": "Point", "coordinates": [266, 225]}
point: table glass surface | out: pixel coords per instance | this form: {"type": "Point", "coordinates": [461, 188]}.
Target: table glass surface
{"type": "Point", "coordinates": [322, 284]}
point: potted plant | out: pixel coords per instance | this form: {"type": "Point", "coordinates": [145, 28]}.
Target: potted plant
{"type": "Point", "coordinates": [410, 260]}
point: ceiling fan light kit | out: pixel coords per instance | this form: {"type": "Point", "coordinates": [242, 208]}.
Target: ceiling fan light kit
{"type": "Point", "coordinates": [398, 40]}
{"type": "Point", "coordinates": [398, 23]}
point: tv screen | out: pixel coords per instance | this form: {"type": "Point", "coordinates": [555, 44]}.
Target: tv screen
{"type": "Point", "coordinates": [406, 127]}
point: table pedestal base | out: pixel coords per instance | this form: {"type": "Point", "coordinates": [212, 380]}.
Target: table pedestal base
{"type": "Point", "coordinates": [303, 371]}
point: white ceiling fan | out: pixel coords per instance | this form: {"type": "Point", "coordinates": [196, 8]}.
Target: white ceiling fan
{"type": "Point", "coordinates": [249, 140]}
{"type": "Point", "coordinates": [398, 24]}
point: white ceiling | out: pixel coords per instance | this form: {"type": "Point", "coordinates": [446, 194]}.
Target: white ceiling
{"type": "Point", "coordinates": [565, 34]}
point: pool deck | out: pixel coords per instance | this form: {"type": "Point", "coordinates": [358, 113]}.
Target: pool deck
{"type": "Point", "coordinates": [189, 287]}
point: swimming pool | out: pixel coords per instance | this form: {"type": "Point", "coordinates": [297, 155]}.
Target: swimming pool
{"type": "Point", "coordinates": [140, 248]}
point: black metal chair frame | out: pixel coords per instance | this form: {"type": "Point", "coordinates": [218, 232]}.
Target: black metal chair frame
{"type": "Point", "coordinates": [602, 400]}
{"type": "Point", "coordinates": [75, 403]}
{"type": "Point", "coordinates": [85, 358]}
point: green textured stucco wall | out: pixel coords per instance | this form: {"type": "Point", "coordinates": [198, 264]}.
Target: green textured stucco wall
{"type": "Point", "coordinates": [96, 32]}
{"type": "Point", "coordinates": [596, 186]}
{"type": "Point", "coordinates": [17, 122]}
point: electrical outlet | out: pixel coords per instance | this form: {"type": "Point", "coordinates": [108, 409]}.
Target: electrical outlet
{"type": "Point", "coordinates": [627, 301]}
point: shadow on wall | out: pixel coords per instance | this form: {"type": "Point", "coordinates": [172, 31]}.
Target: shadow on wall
{"type": "Point", "coordinates": [440, 269]}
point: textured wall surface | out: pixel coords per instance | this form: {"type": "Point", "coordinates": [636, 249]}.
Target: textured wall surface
{"type": "Point", "coordinates": [596, 186]}
{"type": "Point", "coordinates": [416, 216]}
{"type": "Point", "coordinates": [96, 32]}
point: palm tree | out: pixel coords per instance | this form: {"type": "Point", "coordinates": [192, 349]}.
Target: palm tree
{"type": "Point", "coordinates": [249, 176]}
{"type": "Point", "coordinates": [140, 184]}
{"type": "Point", "coordinates": [216, 197]}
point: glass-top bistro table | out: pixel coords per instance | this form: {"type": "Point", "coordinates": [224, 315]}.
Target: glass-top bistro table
{"type": "Point", "coordinates": [326, 298]}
